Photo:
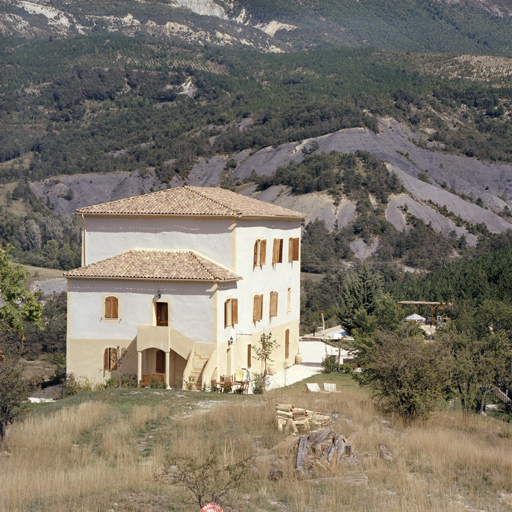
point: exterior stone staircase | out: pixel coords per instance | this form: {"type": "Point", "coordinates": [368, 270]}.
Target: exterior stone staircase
{"type": "Point", "coordinates": [195, 378]}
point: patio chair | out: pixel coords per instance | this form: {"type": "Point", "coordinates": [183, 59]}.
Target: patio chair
{"type": "Point", "coordinates": [313, 387]}
{"type": "Point", "coordinates": [330, 387]}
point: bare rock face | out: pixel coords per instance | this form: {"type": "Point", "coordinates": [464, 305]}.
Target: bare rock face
{"type": "Point", "coordinates": [424, 199]}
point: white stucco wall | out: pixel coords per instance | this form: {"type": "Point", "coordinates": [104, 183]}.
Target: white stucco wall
{"type": "Point", "coordinates": [196, 310]}
{"type": "Point", "coordinates": [191, 308]}
{"type": "Point", "coordinates": [107, 236]}
{"type": "Point", "coordinates": [260, 281]}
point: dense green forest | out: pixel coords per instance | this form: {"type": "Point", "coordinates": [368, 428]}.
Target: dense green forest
{"type": "Point", "coordinates": [109, 102]}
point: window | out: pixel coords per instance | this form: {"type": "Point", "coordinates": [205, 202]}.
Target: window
{"type": "Point", "coordinates": [257, 309]}
{"type": "Point", "coordinates": [110, 359]}
{"type": "Point", "coordinates": [293, 249]}
{"type": "Point", "coordinates": [287, 343]}
{"type": "Point", "coordinates": [249, 355]}
{"type": "Point", "coordinates": [273, 304]}
{"type": "Point", "coordinates": [277, 251]}
{"type": "Point", "coordinates": [289, 300]}
{"type": "Point", "coordinates": [260, 252]}
{"type": "Point", "coordinates": [111, 308]}
{"type": "Point", "coordinates": [230, 312]}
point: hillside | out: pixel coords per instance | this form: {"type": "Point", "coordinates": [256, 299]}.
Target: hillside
{"type": "Point", "coordinates": [102, 450]}
{"type": "Point", "coordinates": [466, 26]}
{"type": "Point", "coordinates": [105, 100]}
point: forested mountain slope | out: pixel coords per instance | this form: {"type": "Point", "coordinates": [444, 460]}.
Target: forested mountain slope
{"type": "Point", "coordinates": [466, 26]}
{"type": "Point", "coordinates": [103, 100]}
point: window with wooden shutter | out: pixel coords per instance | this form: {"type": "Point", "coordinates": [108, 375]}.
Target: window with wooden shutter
{"type": "Point", "coordinates": [287, 343]}
{"type": "Point", "coordinates": [260, 252]}
{"type": "Point", "coordinates": [277, 251]}
{"type": "Point", "coordinates": [249, 355]}
{"type": "Point", "coordinates": [111, 308]}
{"type": "Point", "coordinates": [257, 309]}
{"type": "Point", "coordinates": [293, 249]}
{"type": "Point", "coordinates": [110, 359]}
{"type": "Point", "coordinates": [273, 304]}
{"type": "Point", "coordinates": [230, 312]}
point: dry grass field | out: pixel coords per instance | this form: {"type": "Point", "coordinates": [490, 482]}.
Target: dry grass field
{"type": "Point", "coordinates": [100, 451]}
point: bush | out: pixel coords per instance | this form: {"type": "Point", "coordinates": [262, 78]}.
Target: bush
{"type": "Point", "coordinates": [330, 364]}
{"type": "Point", "coordinates": [346, 368]}
{"type": "Point", "coordinates": [258, 384]}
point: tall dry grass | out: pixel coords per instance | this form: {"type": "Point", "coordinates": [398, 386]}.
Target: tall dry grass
{"type": "Point", "coordinates": [89, 448]}
{"type": "Point", "coordinates": [87, 457]}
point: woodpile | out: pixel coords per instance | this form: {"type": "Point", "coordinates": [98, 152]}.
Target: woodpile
{"type": "Point", "coordinates": [322, 450]}
{"type": "Point", "coordinates": [294, 419]}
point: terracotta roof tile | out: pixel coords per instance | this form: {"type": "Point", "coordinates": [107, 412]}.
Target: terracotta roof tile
{"type": "Point", "coordinates": [192, 201]}
{"type": "Point", "coordinates": [155, 265]}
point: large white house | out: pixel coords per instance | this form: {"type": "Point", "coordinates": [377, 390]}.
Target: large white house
{"type": "Point", "coordinates": [186, 280]}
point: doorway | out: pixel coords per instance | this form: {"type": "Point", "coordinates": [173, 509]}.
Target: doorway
{"type": "Point", "coordinates": [162, 314]}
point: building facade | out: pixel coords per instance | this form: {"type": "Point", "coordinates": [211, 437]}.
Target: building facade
{"type": "Point", "coordinates": [179, 285]}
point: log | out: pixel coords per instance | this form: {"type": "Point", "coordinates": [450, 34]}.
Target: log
{"type": "Point", "coordinates": [302, 452]}
{"type": "Point", "coordinates": [323, 436]}
{"type": "Point", "coordinates": [349, 447]}
{"type": "Point", "coordinates": [284, 407]}
{"type": "Point", "coordinates": [337, 447]}
{"type": "Point", "coordinates": [290, 426]}
{"type": "Point", "coordinates": [341, 448]}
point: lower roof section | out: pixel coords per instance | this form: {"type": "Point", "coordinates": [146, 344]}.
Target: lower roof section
{"type": "Point", "coordinates": [156, 265]}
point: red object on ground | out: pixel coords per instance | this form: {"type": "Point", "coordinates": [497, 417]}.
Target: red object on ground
{"type": "Point", "coordinates": [211, 507]}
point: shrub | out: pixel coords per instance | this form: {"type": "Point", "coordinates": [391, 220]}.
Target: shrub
{"type": "Point", "coordinates": [258, 384]}
{"type": "Point", "coordinates": [330, 364]}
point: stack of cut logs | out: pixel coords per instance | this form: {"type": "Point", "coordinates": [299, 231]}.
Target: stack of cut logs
{"type": "Point", "coordinates": [294, 419]}
{"type": "Point", "coordinates": [321, 450]}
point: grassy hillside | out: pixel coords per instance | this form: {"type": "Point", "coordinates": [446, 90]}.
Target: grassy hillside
{"type": "Point", "coordinates": [100, 451]}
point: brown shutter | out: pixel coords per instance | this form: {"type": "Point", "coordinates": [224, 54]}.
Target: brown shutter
{"type": "Point", "coordinates": [249, 355]}
{"type": "Point", "coordinates": [226, 313]}
{"type": "Point", "coordinates": [295, 251]}
{"type": "Point", "coordinates": [275, 251]}
{"type": "Point", "coordinates": [260, 307]}
{"type": "Point", "coordinates": [114, 307]}
{"type": "Point", "coordinates": [255, 309]}
{"type": "Point", "coordinates": [234, 311]}
{"type": "Point", "coordinates": [256, 253]}
{"type": "Point", "coordinates": [287, 343]}
{"type": "Point", "coordinates": [106, 359]}
{"type": "Point", "coordinates": [113, 359]}
{"type": "Point", "coordinates": [280, 251]}
{"type": "Point", "coordinates": [108, 307]}
{"type": "Point", "coordinates": [290, 250]}
{"type": "Point", "coordinates": [263, 253]}
{"type": "Point", "coordinates": [273, 304]}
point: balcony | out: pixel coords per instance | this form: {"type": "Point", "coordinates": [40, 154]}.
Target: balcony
{"type": "Point", "coordinates": [151, 336]}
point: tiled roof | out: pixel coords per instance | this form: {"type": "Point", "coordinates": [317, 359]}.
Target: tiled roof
{"type": "Point", "coordinates": [192, 201]}
{"type": "Point", "coordinates": [155, 265]}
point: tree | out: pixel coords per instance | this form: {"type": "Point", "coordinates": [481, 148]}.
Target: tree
{"type": "Point", "coordinates": [478, 364]}
{"type": "Point", "coordinates": [207, 481]}
{"type": "Point", "coordinates": [14, 390]}
{"type": "Point", "coordinates": [18, 305]}
{"type": "Point", "coordinates": [407, 375]}
{"type": "Point", "coordinates": [360, 292]}
{"type": "Point", "coordinates": [265, 349]}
